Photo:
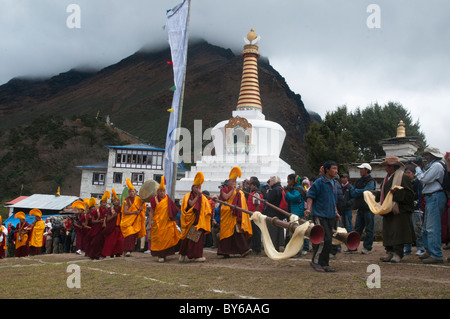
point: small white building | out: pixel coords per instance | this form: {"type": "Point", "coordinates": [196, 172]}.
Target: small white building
{"type": "Point", "coordinates": [138, 162]}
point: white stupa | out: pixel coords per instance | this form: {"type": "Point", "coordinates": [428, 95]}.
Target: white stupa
{"type": "Point", "coordinates": [246, 140]}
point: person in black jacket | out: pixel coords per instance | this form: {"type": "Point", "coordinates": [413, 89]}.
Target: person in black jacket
{"type": "Point", "coordinates": [364, 217]}
{"type": "Point", "coordinates": [347, 214]}
{"type": "Point", "coordinates": [274, 197]}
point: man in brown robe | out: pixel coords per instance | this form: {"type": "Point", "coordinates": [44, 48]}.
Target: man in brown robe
{"type": "Point", "coordinates": [397, 224]}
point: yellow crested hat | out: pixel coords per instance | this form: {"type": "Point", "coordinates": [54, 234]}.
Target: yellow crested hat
{"type": "Point", "coordinates": [106, 196]}
{"type": "Point", "coordinates": [198, 179]}
{"type": "Point", "coordinates": [36, 212]}
{"type": "Point", "coordinates": [114, 195]}
{"type": "Point", "coordinates": [129, 184]}
{"type": "Point", "coordinates": [235, 173]}
{"type": "Point", "coordinates": [79, 204]}
{"type": "Point", "coordinates": [92, 202]}
{"type": "Point", "coordinates": [19, 215]}
{"type": "Point", "coordinates": [162, 184]}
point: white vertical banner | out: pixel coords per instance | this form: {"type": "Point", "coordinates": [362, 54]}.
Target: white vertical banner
{"type": "Point", "coordinates": [177, 28]}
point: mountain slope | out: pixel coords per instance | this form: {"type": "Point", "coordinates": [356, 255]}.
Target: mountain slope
{"type": "Point", "coordinates": [135, 94]}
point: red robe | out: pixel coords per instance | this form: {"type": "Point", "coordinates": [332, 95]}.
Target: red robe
{"type": "Point", "coordinates": [2, 243]}
{"type": "Point", "coordinates": [113, 235]}
{"type": "Point", "coordinates": [79, 233]}
{"type": "Point", "coordinates": [96, 238]}
{"type": "Point", "coordinates": [21, 251]}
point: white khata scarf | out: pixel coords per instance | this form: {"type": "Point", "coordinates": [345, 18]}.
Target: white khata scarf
{"type": "Point", "coordinates": [387, 205]}
{"type": "Point", "coordinates": [294, 245]}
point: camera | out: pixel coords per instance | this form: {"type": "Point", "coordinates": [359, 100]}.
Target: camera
{"type": "Point", "coordinates": [418, 161]}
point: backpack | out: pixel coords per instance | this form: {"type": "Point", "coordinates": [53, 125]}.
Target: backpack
{"type": "Point", "coordinates": [446, 182]}
{"type": "Point", "coordinates": [283, 203]}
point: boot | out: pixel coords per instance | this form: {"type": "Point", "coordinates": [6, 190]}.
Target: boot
{"type": "Point", "coordinates": [387, 257]}
{"type": "Point", "coordinates": [396, 258]}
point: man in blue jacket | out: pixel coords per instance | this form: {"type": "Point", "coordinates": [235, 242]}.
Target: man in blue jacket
{"type": "Point", "coordinates": [321, 204]}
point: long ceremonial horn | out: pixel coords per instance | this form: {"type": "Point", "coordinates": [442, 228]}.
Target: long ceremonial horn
{"type": "Point", "coordinates": [351, 240]}
{"type": "Point", "coordinates": [300, 220]}
{"type": "Point", "coordinates": [314, 233]}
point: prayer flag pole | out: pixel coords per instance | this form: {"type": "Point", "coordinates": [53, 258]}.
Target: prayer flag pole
{"type": "Point", "coordinates": [178, 29]}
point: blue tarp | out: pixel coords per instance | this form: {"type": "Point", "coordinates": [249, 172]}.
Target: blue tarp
{"type": "Point", "coordinates": [28, 219]}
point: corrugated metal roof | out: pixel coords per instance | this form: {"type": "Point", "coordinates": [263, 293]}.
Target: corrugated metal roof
{"type": "Point", "coordinates": [16, 200]}
{"type": "Point", "coordinates": [44, 201]}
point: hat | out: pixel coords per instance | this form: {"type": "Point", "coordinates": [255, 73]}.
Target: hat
{"type": "Point", "coordinates": [392, 160]}
{"type": "Point", "coordinates": [92, 202]}
{"type": "Point", "coordinates": [366, 166]}
{"type": "Point", "coordinates": [114, 195]}
{"type": "Point", "coordinates": [79, 204]}
{"type": "Point", "coordinates": [163, 182]}
{"type": "Point", "coordinates": [106, 195]}
{"type": "Point", "coordinates": [433, 151]}
{"type": "Point", "coordinates": [235, 173]}
{"type": "Point", "coordinates": [129, 184]}
{"type": "Point", "coordinates": [198, 179]}
{"type": "Point", "coordinates": [19, 215]}
{"type": "Point", "coordinates": [36, 212]}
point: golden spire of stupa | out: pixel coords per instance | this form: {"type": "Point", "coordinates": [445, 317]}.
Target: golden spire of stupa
{"type": "Point", "coordinates": [249, 98]}
{"type": "Point", "coordinates": [401, 132]}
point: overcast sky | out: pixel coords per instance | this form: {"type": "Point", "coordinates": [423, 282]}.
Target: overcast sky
{"type": "Point", "coordinates": [331, 52]}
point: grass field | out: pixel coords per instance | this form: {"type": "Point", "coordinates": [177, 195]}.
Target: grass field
{"type": "Point", "coordinates": [252, 277]}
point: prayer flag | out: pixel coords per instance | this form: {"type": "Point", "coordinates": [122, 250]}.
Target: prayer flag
{"type": "Point", "coordinates": [177, 28]}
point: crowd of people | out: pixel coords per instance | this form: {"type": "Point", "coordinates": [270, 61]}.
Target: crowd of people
{"type": "Point", "coordinates": [162, 228]}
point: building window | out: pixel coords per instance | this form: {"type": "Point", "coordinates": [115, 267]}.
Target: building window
{"type": "Point", "coordinates": [139, 159]}
{"type": "Point", "coordinates": [97, 195]}
{"type": "Point", "coordinates": [98, 179]}
{"type": "Point", "coordinates": [117, 178]}
{"type": "Point", "coordinates": [137, 178]}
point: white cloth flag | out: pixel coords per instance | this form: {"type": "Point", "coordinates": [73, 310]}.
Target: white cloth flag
{"type": "Point", "coordinates": [177, 27]}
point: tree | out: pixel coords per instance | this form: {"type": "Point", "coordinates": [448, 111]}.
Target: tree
{"type": "Point", "coordinates": [348, 137]}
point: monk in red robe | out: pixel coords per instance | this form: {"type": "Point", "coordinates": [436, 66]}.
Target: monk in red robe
{"type": "Point", "coordinates": [195, 221]}
{"type": "Point", "coordinates": [3, 234]}
{"type": "Point", "coordinates": [87, 225]}
{"type": "Point", "coordinates": [96, 237]}
{"type": "Point", "coordinates": [113, 245]}
{"type": "Point", "coordinates": [21, 236]}
{"type": "Point", "coordinates": [78, 225]}
{"type": "Point", "coordinates": [36, 233]}
{"type": "Point", "coordinates": [132, 223]}
{"type": "Point", "coordinates": [165, 236]}
{"type": "Point", "coordinates": [235, 226]}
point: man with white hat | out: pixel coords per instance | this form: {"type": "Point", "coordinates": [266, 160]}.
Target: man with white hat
{"type": "Point", "coordinates": [364, 217]}
{"type": "Point", "coordinates": [432, 179]}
